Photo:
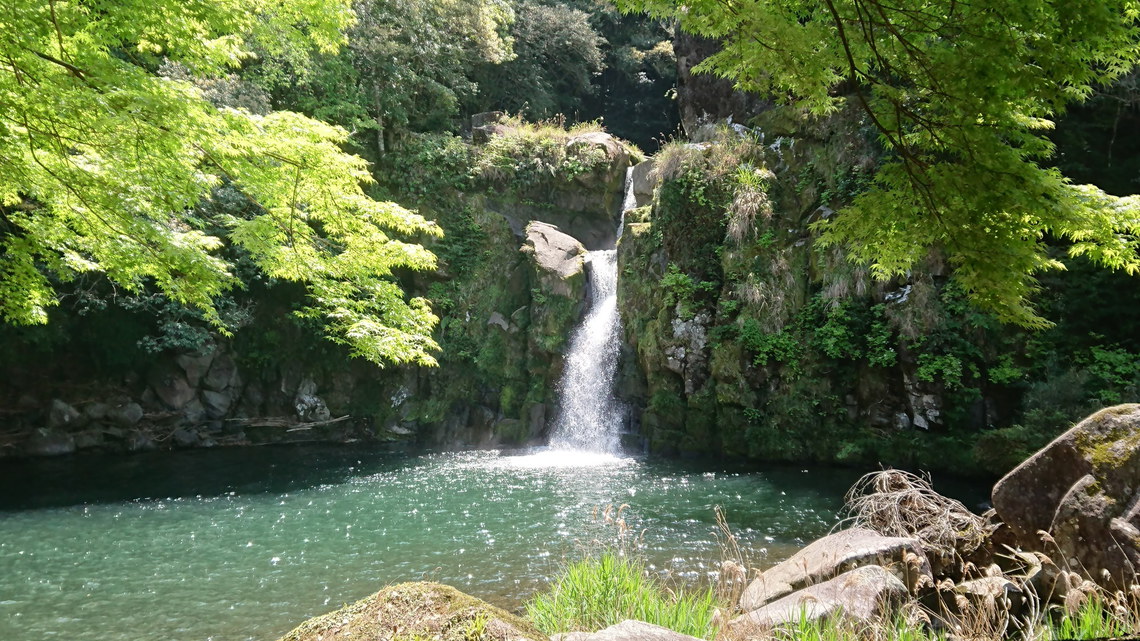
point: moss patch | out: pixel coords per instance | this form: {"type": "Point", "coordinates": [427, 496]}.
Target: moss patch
{"type": "Point", "coordinates": [416, 611]}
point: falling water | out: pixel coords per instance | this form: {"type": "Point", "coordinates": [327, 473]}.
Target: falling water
{"type": "Point", "coordinates": [591, 416]}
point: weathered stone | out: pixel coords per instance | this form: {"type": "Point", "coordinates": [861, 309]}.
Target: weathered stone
{"type": "Point", "coordinates": [64, 416]}
{"type": "Point", "coordinates": [487, 118]}
{"type": "Point", "coordinates": [833, 555]}
{"type": "Point", "coordinates": [499, 320]}
{"type": "Point", "coordinates": [170, 385]}
{"type": "Point", "coordinates": [1082, 490]}
{"type": "Point", "coordinates": [557, 256]}
{"type": "Point", "coordinates": [863, 594]}
{"type": "Point", "coordinates": [630, 630]}
{"type": "Point", "coordinates": [96, 411]}
{"type": "Point", "coordinates": [217, 404]}
{"type": "Point", "coordinates": [185, 438]}
{"type": "Point", "coordinates": [223, 372]}
{"type": "Point", "coordinates": [88, 439]}
{"type": "Point", "coordinates": [483, 134]}
{"type": "Point", "coordinates": [195, 366]}
{"type": "Point", "coordinates": [416, 611]}
{"type": "Point", "coordinates": [644, 182]}
{"type": "Point", "coordinates": [593, 142]}
{"type": "Point", "coordinates": [127, 414]}
{"type": "Point", "coordinates": [49, 442]}
{"type": "Point", "coordinates": [571, 636]}
{"type": "Point", "coordinates": [194, 413]}
{"type": "Point", "coordinates": [310, 408]}
{"type": "Point", "coordinates": [140, 442]}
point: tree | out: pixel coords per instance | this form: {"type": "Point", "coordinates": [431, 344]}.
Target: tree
{"type": "Point", "coordinates": [406, 67]}
{"type": "Point", "coordinates": [102, 160]}
{"type": "Point", "coordinates": [961, 94]}
{"type": "Point", "coordinates": [556, 57]}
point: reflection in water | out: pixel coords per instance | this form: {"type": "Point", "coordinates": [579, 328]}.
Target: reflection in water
{"type": "Point", "coordinates": [245, 544]}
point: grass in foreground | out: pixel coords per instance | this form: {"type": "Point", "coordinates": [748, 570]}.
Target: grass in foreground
{"type": "Point", "coordinates": [598, 592]}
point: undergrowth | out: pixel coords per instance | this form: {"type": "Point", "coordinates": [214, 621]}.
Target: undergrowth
{"type": "Point", "coordinates": [597, 592]}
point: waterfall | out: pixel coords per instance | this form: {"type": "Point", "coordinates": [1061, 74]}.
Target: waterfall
{"type": "Point", "coordinates": [591, 417]}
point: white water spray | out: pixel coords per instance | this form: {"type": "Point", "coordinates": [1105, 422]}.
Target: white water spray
{"type": "Point", "coordinates": [591, 416]}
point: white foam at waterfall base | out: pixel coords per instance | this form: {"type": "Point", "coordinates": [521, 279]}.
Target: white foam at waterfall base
{"type": "Point", "coordinates": [591, 417]}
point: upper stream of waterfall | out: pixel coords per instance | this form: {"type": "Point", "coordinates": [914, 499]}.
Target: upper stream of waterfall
{"type": "Point", "coordinates": [591, 416]}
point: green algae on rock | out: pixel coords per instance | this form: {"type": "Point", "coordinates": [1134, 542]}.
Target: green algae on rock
{"type": "Point", "coordinates": [421, 610]}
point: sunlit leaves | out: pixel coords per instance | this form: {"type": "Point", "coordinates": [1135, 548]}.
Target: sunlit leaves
{"type": "Point", "coordinates": [960, 94]}
{"type": "Point", "coordinates": [101, 160]}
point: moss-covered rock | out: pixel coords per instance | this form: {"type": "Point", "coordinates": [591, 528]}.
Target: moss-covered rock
{"type": "Point", "coordinates": [413, 611]}
{"type": "Point", "coordinates": [1081, 489]}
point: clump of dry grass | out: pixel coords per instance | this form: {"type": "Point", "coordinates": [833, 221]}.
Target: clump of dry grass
{"type": "Point", "coordinates": [898, 503]}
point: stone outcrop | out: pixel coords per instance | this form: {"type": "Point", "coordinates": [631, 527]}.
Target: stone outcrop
{"type": "Point", "coordinates": [416, 611]}
{"type": "Point", "coordinates": [833, 555]}
{"type": "Point", "coordinates": [559, 258]}
{"type": "Point", "coordinates": [1082, 491]}
{"type": "Point", "coordinates": [628, 630]}
{"type": "Point", "coordinates": [863, 594]}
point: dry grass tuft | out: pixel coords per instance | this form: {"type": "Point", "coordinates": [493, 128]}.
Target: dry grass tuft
{"type": "Point", "coordinates": [898, 503]}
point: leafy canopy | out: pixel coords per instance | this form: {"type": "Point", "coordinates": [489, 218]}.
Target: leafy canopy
{"type": "Point", "coordinates": [102, 160]}
{"type": "Point", "coordinates": [961, 94]}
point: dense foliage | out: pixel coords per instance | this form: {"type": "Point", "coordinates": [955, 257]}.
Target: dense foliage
{"type": "Point", "coordinates": [961, 95]}
{"type": "Point", "coordinates": [103, 160]}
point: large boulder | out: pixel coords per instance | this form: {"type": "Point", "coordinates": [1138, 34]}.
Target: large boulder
{"type": "Point", "coordinates": [49, 442]}
{"type": "Point", "coordinates": [599, 144]}
{"type": "Point", "coordinates": [863, 594]}
{"type": "Point", "coordinates": [1081, 489]}
{"type": "Point", "coordinates": [64, 416]}
{"type": "Point", "coordinates": [644, 180]}
{"type": "Point", "coordinates": [169, 383]}
{"type": "Point", "coordinates": [559, 258]}
{"type": "Point", "coordinates": [630, 630]}
{"type": "Point", "coordinates": [833, 555]}
{"type": "Point", "coordinates": [416, 611]}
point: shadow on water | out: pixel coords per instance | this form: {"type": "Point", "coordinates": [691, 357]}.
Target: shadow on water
{"type": "Point", "coordinates": [98, 479]}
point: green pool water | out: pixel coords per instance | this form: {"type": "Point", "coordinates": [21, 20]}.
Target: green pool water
{"type": "Point", "coordinates": [245, 544]}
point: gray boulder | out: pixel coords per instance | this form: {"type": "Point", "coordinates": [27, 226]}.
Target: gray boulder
{"type": "Point", "coordinates": [630, 630]}
{"type": "Point", "coordinates": [310, 408]}
{"type": "Point", "coordinates": [222, 374]}
{"type": "Point", "coordinates": [140, 442]}
{"type": "Point", "coordinates": [833, 555]}
{"type": "Point", "coordinates": [185, 438]}
{"type": "Point", "coordinates": [1081, 489]}
{"type": "Point", "coordinates": [127, 414]}
{"type": "Point", "coordinates": [558, 257]}
{"type": "Point", "coordinates": [88, 439]}
{"type": "Point", "coordinates": [863, 594]}
{"type": "Point", "coordinates": [599, 144]}
{"type": "Point", "coordinates": [64, 416]}
{"type": "Point", "coordinates": [96, 411]}
{"type": "Point", "coordinates": [217, 404]}
{"type": "Point", "coordinates": [170, 385]}
{"type": "Point", "coordinates": [644, 182]}
{"type": "Point", "coordinates": [195, 366]}
{"type": "Point", "coordinates": [49, 442]}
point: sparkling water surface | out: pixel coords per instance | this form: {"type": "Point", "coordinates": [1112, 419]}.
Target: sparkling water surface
{"type": "Point", "coordinates": [246, 543]}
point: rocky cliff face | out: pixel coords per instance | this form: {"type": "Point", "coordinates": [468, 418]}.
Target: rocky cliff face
{"type": "Point", "coordinates": [750, 340]}
{"type": "Point", "coordinates": [509, 290]}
